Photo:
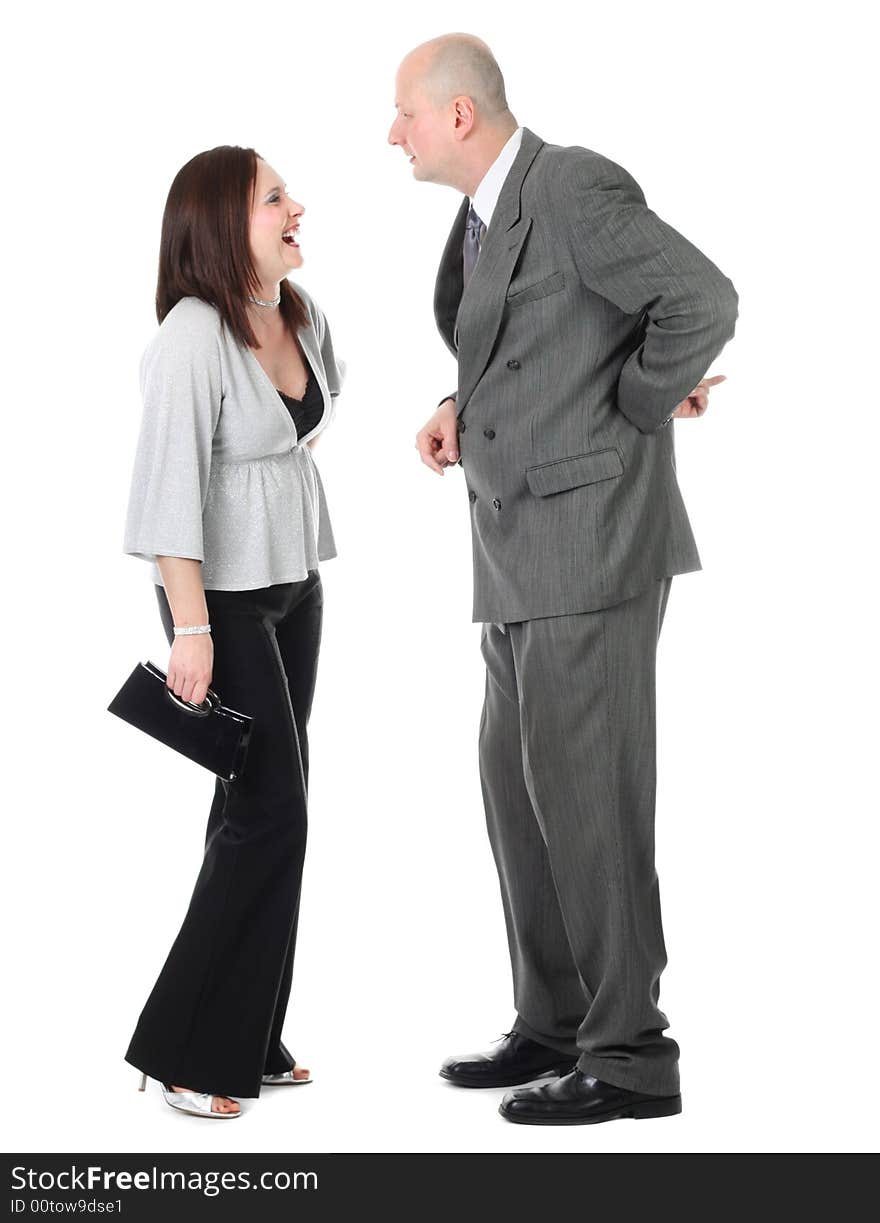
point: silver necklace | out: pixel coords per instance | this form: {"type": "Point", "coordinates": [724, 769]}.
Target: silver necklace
{"type": "Point", "coordinates": [258, 302]}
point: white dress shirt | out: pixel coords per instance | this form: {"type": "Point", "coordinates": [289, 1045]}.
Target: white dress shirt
{"type": "Point", "coordinates": [485, 197]}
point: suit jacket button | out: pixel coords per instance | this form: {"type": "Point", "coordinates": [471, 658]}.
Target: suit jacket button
{"type": "Point", "coordinates": [497, 504]}
{"type": "Point", "coordinates": [490, 433]}
{"type": "Point", "coordinates": [472, 496]}
{"type": "Point", "coordinates": [514, 364]}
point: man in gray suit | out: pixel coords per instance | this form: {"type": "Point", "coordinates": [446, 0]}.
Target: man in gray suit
{"type": "Point", "coordinates": [582, 324]}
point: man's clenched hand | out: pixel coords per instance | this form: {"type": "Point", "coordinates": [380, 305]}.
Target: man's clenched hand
{"type": "Point", "coordinates": [437, 441]}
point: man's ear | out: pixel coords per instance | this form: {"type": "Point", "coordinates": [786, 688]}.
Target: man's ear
{"type": "Point", "coordinates": [463, 115]}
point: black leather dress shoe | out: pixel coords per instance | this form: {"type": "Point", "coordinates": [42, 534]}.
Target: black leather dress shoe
{"type": "Point", "coordinates": [516, 1059]}
{"type": "Point", "coordinates": [579, 1099]}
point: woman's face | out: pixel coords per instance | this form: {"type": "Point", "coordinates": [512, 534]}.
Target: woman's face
{"type": "Point", "coordinates": [274, 223]}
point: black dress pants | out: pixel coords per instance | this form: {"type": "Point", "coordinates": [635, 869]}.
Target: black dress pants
{"type": "Point", "coordinates": [213, 1020]}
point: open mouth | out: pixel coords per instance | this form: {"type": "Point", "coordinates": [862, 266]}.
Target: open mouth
{"type": "Point", "coordinates": [289, 236]}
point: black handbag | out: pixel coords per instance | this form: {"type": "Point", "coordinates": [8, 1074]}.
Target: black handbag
{"type": "Point", "coordinates": [210, 734]}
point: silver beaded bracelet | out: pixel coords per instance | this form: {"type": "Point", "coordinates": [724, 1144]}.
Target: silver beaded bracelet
{"type": "Point", "coordinates": [194, 628]}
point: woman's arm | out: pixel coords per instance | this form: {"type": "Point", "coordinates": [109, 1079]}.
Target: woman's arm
{"type": "Point", "coordinates": [182, 396]}
{"type": "Point", "coordinates": [182, 579]}
{"type": "Point", "coordinates": [334, 368]}
{"type": "Point", "coordinates": [191, 664]}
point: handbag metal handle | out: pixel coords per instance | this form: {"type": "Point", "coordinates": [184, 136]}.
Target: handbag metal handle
{"type": "Point", "coordinates": [208, 705]}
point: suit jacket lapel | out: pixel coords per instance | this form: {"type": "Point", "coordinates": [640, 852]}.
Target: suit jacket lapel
{"type": "Point", "coordinates": [483, 303]}
{"type": "Point", "coordinates": [483, 299]}
{"type": "Point", "coordinates": [447, 290]}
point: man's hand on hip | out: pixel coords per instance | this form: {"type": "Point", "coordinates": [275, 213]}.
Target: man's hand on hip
{"type": "Point", "coordinates": [437, 441]}
{"type": "Point", "coordinates": [698, 400]}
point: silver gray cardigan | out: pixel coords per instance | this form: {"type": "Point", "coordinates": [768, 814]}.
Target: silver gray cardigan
{"type": "Point", "coordinates": [219, 473]}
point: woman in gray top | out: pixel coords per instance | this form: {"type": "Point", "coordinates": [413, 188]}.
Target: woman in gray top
{"type": "Point", "coordinates": [227, 507]}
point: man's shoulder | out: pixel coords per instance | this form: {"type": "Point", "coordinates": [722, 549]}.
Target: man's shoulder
{"type": "Point", "coordinates": [577, 166]}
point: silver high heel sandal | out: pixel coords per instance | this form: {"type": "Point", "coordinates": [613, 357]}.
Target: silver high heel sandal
{"type": "Point", "coordinates": [285, 1079]}
{"type": "Point", "coordinates": [194, 1103]}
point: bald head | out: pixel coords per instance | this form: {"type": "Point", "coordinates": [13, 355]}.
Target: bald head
{"type": "Point", "coordinates": [452, 113]}
{"type": "Point", "coordinates": [460, 65]}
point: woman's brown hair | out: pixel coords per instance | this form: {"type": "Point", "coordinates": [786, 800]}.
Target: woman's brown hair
{"type": "Point", "coordinates": [205, 247]}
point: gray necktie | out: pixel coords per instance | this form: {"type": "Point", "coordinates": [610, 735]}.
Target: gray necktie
{"type": "Point", "coordinates": [473, 236]}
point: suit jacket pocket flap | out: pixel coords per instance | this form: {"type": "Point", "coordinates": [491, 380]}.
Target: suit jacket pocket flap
{"type": "Point", "coordinates": [542, 288]}
{"type": "Point", "coordinates": [562, 474]}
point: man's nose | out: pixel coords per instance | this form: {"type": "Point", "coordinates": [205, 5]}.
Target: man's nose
{"type": "Point", "coordinates": [392, 139]}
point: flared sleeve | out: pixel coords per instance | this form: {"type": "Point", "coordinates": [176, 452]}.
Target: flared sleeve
{"type": "Point", "coordinates": [334, 367]}
{"type": "Point", "coordinates": [180, 377]}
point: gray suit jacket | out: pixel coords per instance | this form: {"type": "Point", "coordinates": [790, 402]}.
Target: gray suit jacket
{"type": "Point", "coordinates": [586, 321]}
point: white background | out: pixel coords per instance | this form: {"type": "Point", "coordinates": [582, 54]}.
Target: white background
{"type": "Point", "coordinates": [747, 127]}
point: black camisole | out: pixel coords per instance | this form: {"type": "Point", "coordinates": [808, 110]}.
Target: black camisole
{"type": "Point", "coordinates": [305, 412]}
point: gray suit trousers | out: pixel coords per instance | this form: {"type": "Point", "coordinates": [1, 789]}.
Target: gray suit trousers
{"type": "Point", "coordinates": [568, 769]}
